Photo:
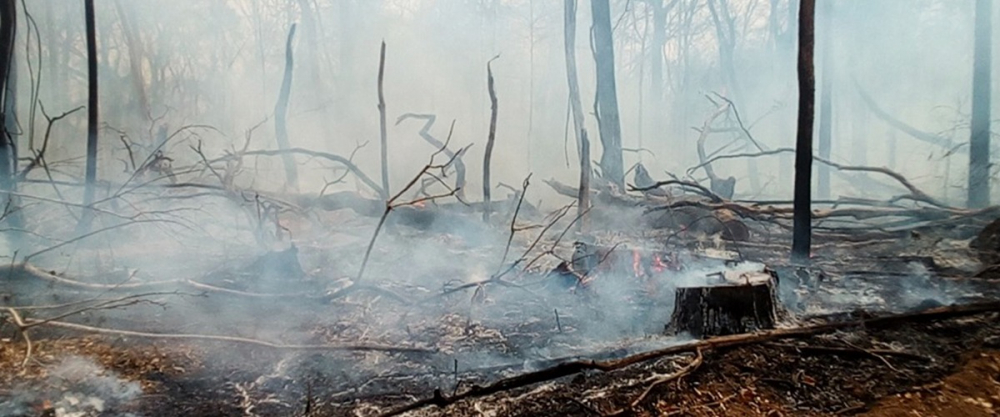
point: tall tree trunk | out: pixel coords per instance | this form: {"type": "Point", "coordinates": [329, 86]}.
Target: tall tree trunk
{"type": "Point", "coordinates": [281, 115]}
{"type": "Point", "coordinates": [487, 158]}
{"type": "Point", "coordinates": [725, 30]}
{"type": "Point", "coordinates": [802, 216]}
{"type": "Point", "coordinates": [979, 149]}
{"type": "Point", "coordinates": [582, 142]}
{"type": "Point", "coordinates": [135, 53]}
{"type": "Point", "coordinates": [612, 164]}
{"type": "Point", "coordinates": [90, 177]}
{"type": "Point", "coordinates": [656, 64]}
{"type": "Point", "coordinates": [11, 213]}
{"type": "Point", "coordinates": [383, 130]}
{"type": "Point", "coordinates": [569, 41]}
{"type": "Point", "coordinates": [826, 103]}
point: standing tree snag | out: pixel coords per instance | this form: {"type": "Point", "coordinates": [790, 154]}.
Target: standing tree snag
{"type": "Point", "coordinates": [8, 146]}
{"type": "Point", "coordinates": [489, 140]}
{"type": "Point", "coordinates": [802, 217]}
{"type": "Point", "coordinates": [826, 102]}
{"type": "Point", "coordinates": [582, 142]}
{"type": "Point", "coordinates": [383, 133]}
{"type": "Point", "coordinates": [91, 170]}
{"type": "Point", "coordinates": [979, 142]}
{"type": "Point", "coordinates": [281, 113]}
{"type": "Point", "coordinates": [612, 166]}
{"type": "Point", "coordinates": [569, 42]}
{"type": "Point", "coordinates": [583, 197]}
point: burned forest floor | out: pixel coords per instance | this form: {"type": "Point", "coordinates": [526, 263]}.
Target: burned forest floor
{"type": "Point", "coordinates": [442, 314]}
{"type": "Point", "coordinates": [942, 368]}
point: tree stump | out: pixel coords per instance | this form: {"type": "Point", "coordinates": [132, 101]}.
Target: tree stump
{"type": "Point", "coordinates": [737, 303]}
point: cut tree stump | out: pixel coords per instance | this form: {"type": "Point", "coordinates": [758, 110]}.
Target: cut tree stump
{"type": "Point", "coordinates": [738, 303]}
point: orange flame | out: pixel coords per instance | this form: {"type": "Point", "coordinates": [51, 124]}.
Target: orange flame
{"type": "Point", "coordinates": [637, 264]}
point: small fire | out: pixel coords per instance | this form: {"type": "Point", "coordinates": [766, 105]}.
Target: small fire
{"type": "Point", "coordinates": [637, 264]}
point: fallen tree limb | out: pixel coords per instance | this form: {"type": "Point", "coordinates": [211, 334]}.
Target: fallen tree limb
{"type": "Point", "coordinates": [915, 193]}
{"type": "Point", "coordinates": [574, 367]}
{"type": "Point", "coordinates": [315, 154]}
{"type": "Point", "coordinates": [695, 363]}
{"type": "Point", "coordinates": [902, 126]}
{"type": "Point", "coordinates": [698, 188]}
{"type": "Point", "coordinates": [234, 339]}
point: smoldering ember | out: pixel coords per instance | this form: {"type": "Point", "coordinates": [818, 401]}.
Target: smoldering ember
{"type": "Point", "coordinates": [498, 208]}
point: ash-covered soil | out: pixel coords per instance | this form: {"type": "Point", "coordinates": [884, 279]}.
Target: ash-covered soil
{"type": "Point", "coordinates": [943, 368]}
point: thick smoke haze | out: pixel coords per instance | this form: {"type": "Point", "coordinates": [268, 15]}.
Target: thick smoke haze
{"type": "Point", "coordinates": [220, 64]}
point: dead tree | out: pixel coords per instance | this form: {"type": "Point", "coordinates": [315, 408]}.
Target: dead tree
{"type": "Point", "coordinates": [826, 102]}
{"type": "Point", "coordinates": [660, 12]}
{"type": "Point", "coordinates": [612, 165]}
{"type": "Point", "coordinates": [740, 304]}
{"type": "Point", "coordinates": [8, 87]}
{"type": "Point", "coordinates": [569, 42]}
{"type": "Point", "coordinates": [383, 131]}
{"type": "Point", "coordinates": [725, 32]}
{"type": "Point", "coordinates": [135, 52]}
{"type": "Point", "coordinates": [425, 133]}
{"type": "Point", "coordinates": [583, 196]}
{"type": "Point", "coordinates": [802, 215]}
{"type": "Point", "coordinates": [489, 140]}
{"type": "Point", "coordinates": [979, 142]}
{"type": "Point", "coordinates": [90, 176]}
{"type": "Point", "coordinates": [582, 141]}
{"type": "Point", "coordinates": [281, 113]}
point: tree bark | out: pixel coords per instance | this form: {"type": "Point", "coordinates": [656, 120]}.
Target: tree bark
{"type": "Point", "coordinates": [656, 62]}
{"type": "Point", "coordinates": [826, 103]}
{"type": "Point", "coordinates": [582, 142]}
{"type": "Point", "coordinates": [489, 141]}
{"type": "Point", "coordinates": [725, 30]}
{"type": "Point", "coordinates": [383, 130]}
{"type": "Point", "coordinates": [802, 216]}
{"type": "Point", "coordinates": [569, 40]}
{"type": "Point", "coordinates": [281, 114]}
{"type": "Point", "coordinates": [583, 194]}
{"type": "Point", "coordinates": [725, 309]}
{"type": "Point", "coordinates": [612, 164]}
{"type": "Point", "coordinates": [135, 53]}
{"type": "Point", "coordinates": [8, 119]}
{"type": "Point", "coordinates": [979, 142]}
{"type": "Point", "coordinates": [90, 176]}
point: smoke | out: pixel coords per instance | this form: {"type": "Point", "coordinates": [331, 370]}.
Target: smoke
{"type": "Point", "coordinates": [74, 387]}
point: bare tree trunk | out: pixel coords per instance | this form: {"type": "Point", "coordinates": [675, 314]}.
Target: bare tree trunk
{"type": "Point", "coordinates": [802, 216]}
{"type": "Point", "coordinates": [489, 142]}
{"type": "Point", "coordinates": [569, 41]}
{"type": "Point", "coordinates": [281, 114]}
{"type": "Point", "coordinates": [582, 142]}
{"type": "Point", "coordinates": [656, 63]}
{"type": "Point", "coordinates": [531, 79]}
{"type": "Point", "coordinates": [90, 177]}
{"type": "Point", "coordinates": [583, 193]}
{"type": "Point", "coordinates": [383, 130]}
{"type": "Point", "coordinates": [612, 165]}
{"type": "Point", "coordinates": [725, 30]}
{"type": "Point", "coordinates": [8, 144]}
{"type": "Point", "coordinates": [134, 45]}
{"type": "Point", "coordinates": [826, 103]}
{"type": "Point", "coordinates": [979, 142]}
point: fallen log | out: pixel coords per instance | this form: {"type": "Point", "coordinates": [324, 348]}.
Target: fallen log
{"type": "Point", "coordinates": [575, 367]}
